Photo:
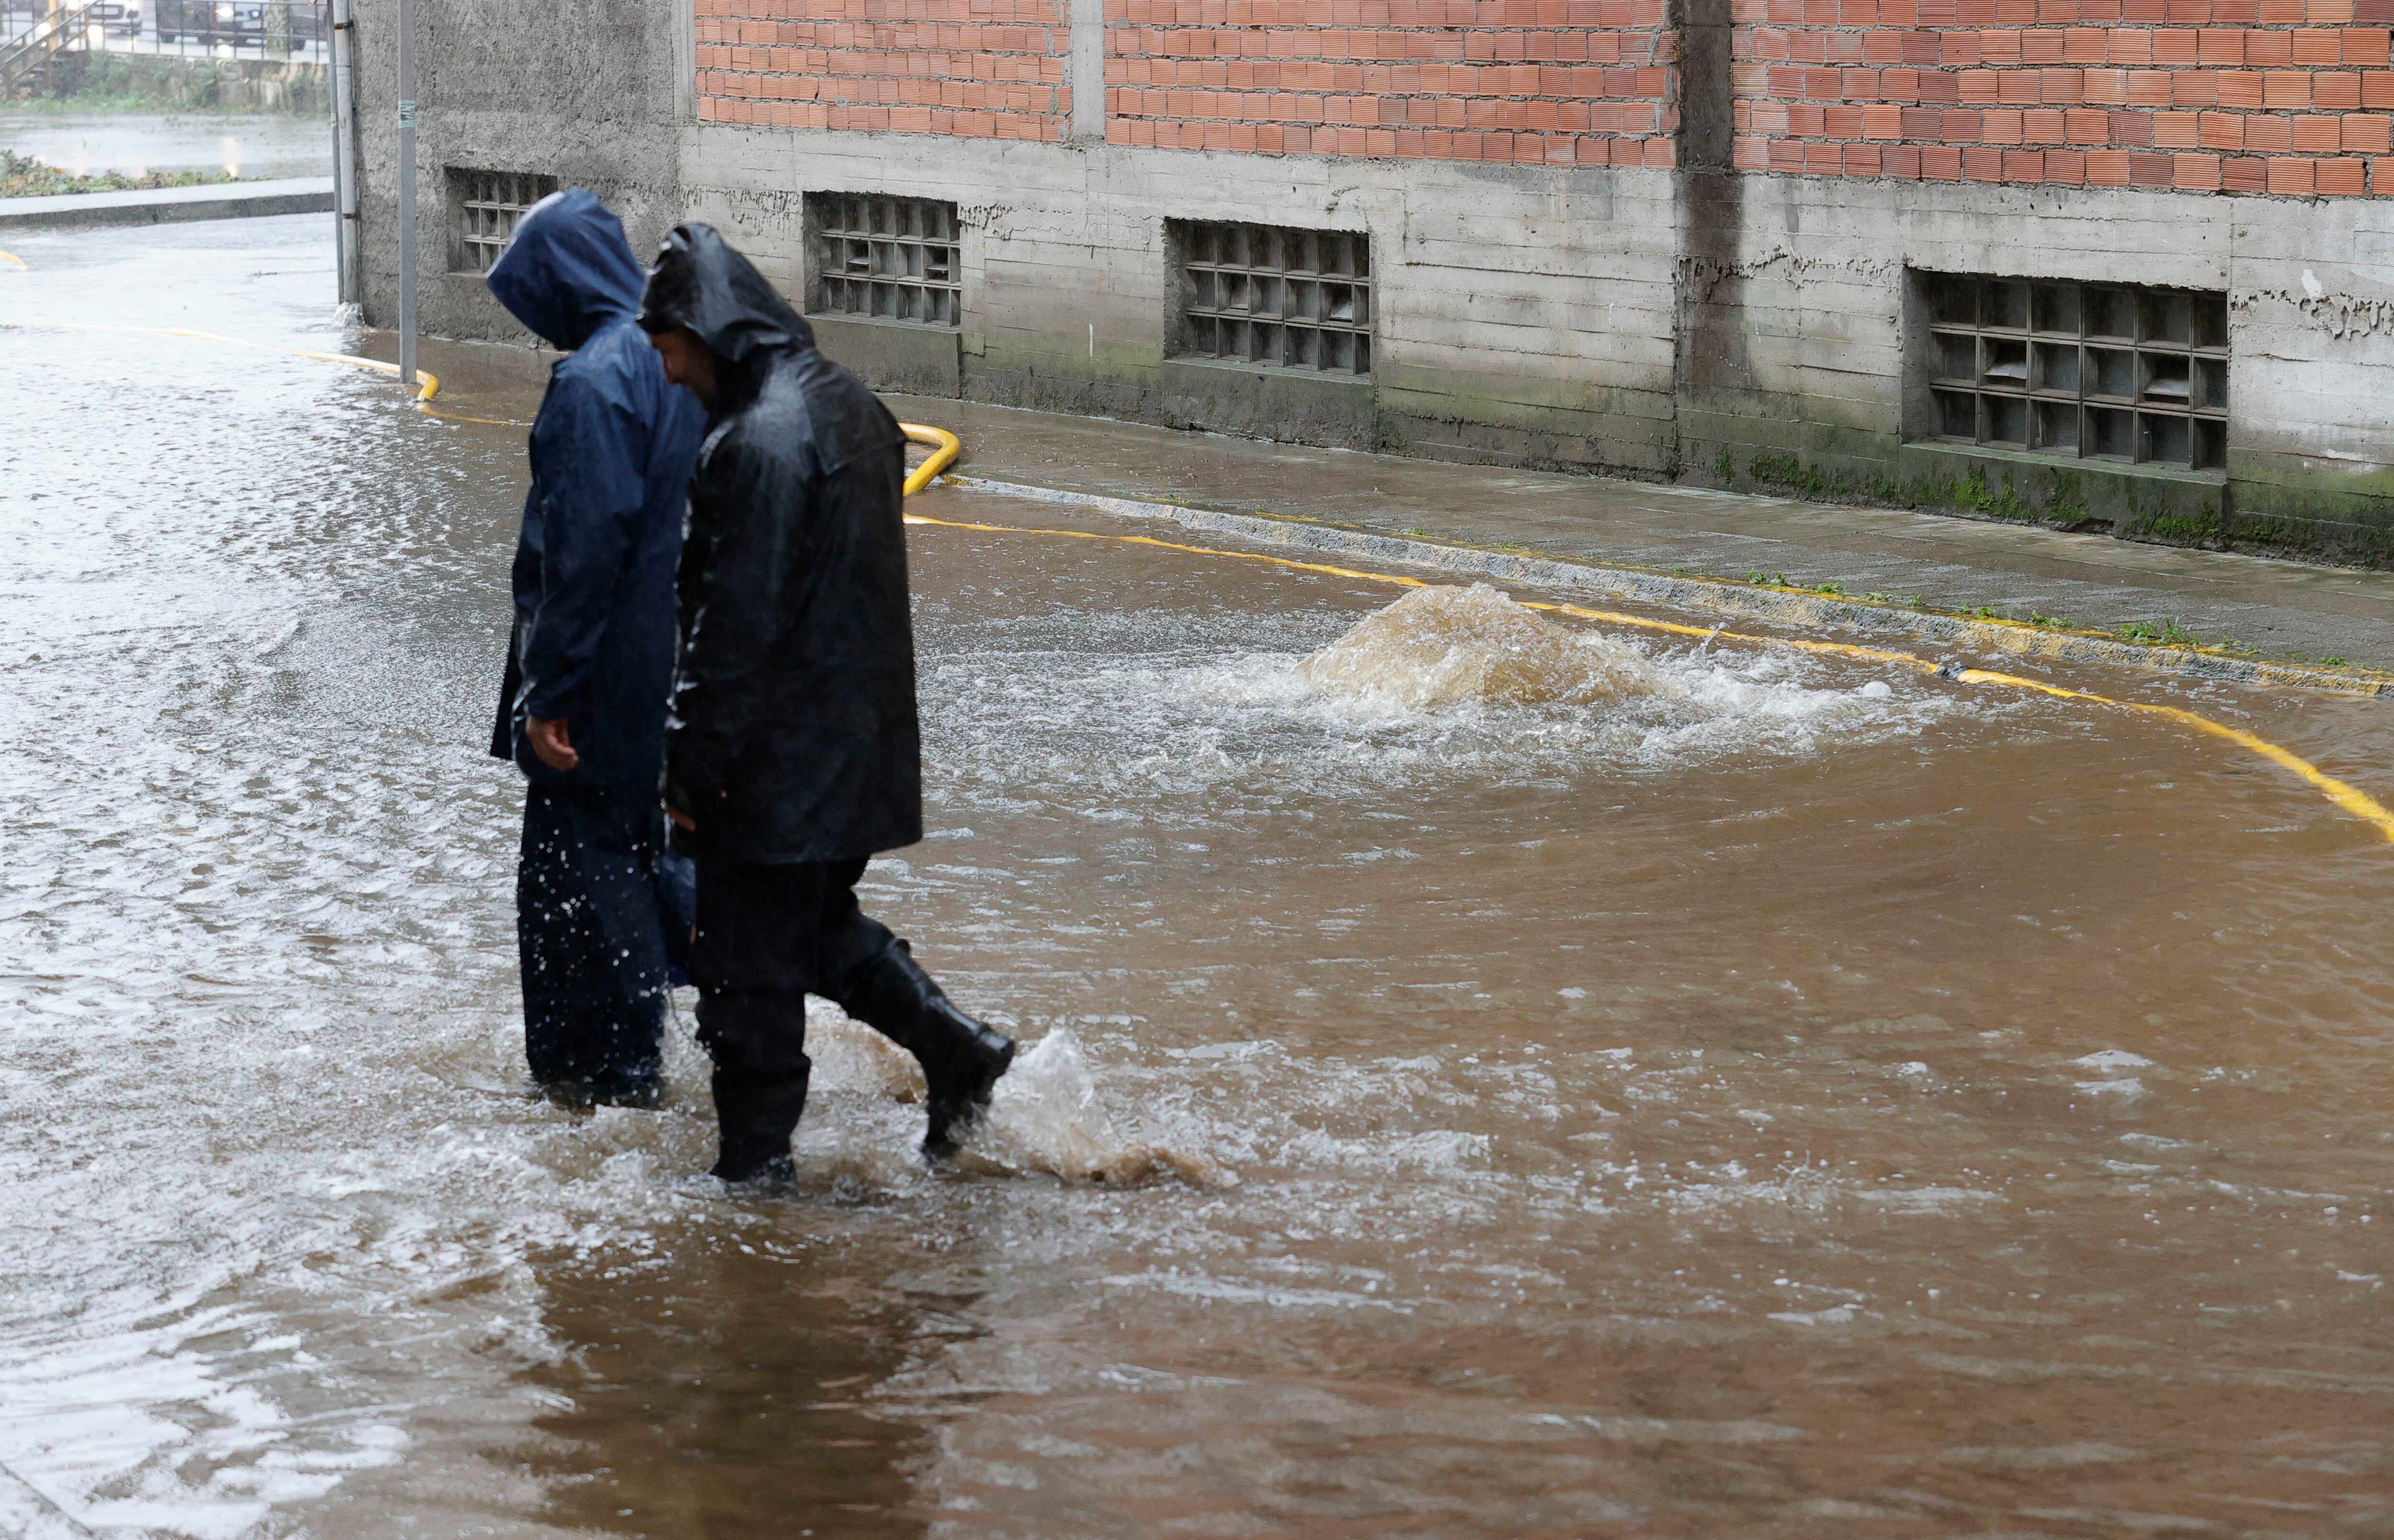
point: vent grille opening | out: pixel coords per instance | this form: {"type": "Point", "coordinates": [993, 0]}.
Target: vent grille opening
{"type": "Point", "coordinates": [484, 209]}
{"type": "Point", "coordinates": [2083, 371]}
{"type": "Point", "coordinates": [885, 258]}
{"type": "Point", "coordinates": [1267, 294]}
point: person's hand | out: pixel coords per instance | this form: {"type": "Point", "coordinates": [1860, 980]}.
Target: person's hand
{"type": "Point", "coordinates": [551, 742]}
{"type": "Point", "coordinates": [681, 820]}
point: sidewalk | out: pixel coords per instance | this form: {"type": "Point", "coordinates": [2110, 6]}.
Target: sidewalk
{"type": "Point", "coordinates": [2278, 609]}
{"type": "Point", "coordinates": [169, 205]}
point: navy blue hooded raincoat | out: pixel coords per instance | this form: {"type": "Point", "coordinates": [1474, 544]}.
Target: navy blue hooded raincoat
{"type": "Point", "coordinates": [597, 898]}
{"type": "Point", "coordinates": [611, 452]}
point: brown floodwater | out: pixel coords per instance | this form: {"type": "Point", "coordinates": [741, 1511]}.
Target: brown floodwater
{"type": "Point", "coordinates": [1704, 1090]}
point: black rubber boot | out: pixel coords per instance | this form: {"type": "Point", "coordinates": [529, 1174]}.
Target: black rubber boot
{"type": "Point", "coordinates": [758, 1044]}
{"type": "Point", "coordinates": [755, 1119]}
{"type": "Point", "coordinates": [962, 1059]}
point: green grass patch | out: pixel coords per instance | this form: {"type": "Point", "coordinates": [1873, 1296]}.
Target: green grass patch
{"type": "Point", "coordinates": [2164, 632]}
{"type": "Point", "coordinates": [24, 177]}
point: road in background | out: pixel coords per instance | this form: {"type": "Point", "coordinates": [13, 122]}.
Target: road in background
{"type": "Point", "coordinates": [246, 145]}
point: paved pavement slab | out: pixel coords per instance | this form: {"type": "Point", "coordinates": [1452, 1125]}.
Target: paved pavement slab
{"type": "Point", "coordinates": [169, 205]}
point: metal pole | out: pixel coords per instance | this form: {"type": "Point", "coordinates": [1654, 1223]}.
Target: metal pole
{"type": "Point", "coordinates": [407, 193]}
{"type": "Point", "coordinates": [345, 151]}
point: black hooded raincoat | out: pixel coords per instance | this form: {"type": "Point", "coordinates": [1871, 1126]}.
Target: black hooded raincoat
{"type": "Point", "coordinates": [792, 734]}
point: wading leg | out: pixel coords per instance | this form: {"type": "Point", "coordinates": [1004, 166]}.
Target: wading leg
{"type": "Point", "coordinates": [758, 1044]}
{"type": "Point", "coordinates": [590, 944]}
{"type": "Point", "coordinates": [875, 979]}
{"type": "Point", "coordinates": [752, 960]}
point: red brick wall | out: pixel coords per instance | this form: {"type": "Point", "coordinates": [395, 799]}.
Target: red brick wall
{"type": "Point", "coordinates": [989, 69]}
{"type": "Point", "coordinates": [2241, 96]}
{"type": "Point", "coordinates": [1549, 82]}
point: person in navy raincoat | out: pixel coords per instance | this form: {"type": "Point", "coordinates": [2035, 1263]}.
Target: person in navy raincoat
{"type": "Point", "coordinates": [591, 659]}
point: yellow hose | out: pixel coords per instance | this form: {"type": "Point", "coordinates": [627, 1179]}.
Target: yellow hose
{"type": "Point", "coordinates": [12, 259]}
{"type": "Point", "coordinates": [2360, 804]}
{"type": "Point", "coordinates": [427, 384]}
{"type": "Point", "coordinates": [945, 447]}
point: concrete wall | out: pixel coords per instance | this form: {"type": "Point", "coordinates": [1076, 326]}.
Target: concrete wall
{"type": "Point", "coordinates": [1524, 314]}
{"type": "Point", "coordinates": [1794, 352]}
{"type": "Point", "coordinates": [588, 91]}
{"type": "Point", "coordinates": [2312, 311]}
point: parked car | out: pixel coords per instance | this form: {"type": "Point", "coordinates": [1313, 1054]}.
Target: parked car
{"type": "Point", "coordinates": [120, 16]}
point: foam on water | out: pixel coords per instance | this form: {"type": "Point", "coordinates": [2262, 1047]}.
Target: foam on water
{"type": "Point", "coordinates": [99, 1427]}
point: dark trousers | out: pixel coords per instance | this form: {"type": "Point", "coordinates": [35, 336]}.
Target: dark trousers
{"type": "Point", "coordinates": [591, 934]}
{"type": "Point", "coordinates": [767, 936]}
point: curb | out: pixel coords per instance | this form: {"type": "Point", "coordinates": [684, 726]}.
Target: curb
{"type": "Point", "coordinates": [162, 212]}
{"type": "Point", "coordinates": [1712, 596]}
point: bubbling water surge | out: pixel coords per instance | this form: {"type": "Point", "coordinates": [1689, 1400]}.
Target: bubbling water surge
{"type": "Point", "coordinates": [1440, 647]}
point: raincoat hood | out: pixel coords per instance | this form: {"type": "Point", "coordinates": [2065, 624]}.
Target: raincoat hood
{"type": "Point", "coordinates": [702, 285]}
{"type": "Point", "coordinates": [569, 271]}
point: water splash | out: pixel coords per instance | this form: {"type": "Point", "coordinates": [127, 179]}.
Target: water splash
{"type": "Point", "coordinates": [1226, 719]}
{"type": "Point", "coordinates": [1456, 646]}
{"type": "Point", "coordinates": [1045, 1117]}
{"type": "Point", "coordinates": [849, 1054]}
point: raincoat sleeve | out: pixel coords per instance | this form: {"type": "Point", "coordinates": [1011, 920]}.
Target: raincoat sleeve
{"type": "Point", "coordinates": [590, 486]}
{"type": "Point", "coordinates": [734, 616]}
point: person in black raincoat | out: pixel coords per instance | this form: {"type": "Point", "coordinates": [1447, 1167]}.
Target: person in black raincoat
{"type": "Point", "coordinates": [792, 753]}
{"type": "Point", "coordinates": [583, 707]}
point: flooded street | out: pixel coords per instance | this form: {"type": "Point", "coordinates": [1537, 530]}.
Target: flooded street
{"type": "Point", "coordinates": [1789, 1095]}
